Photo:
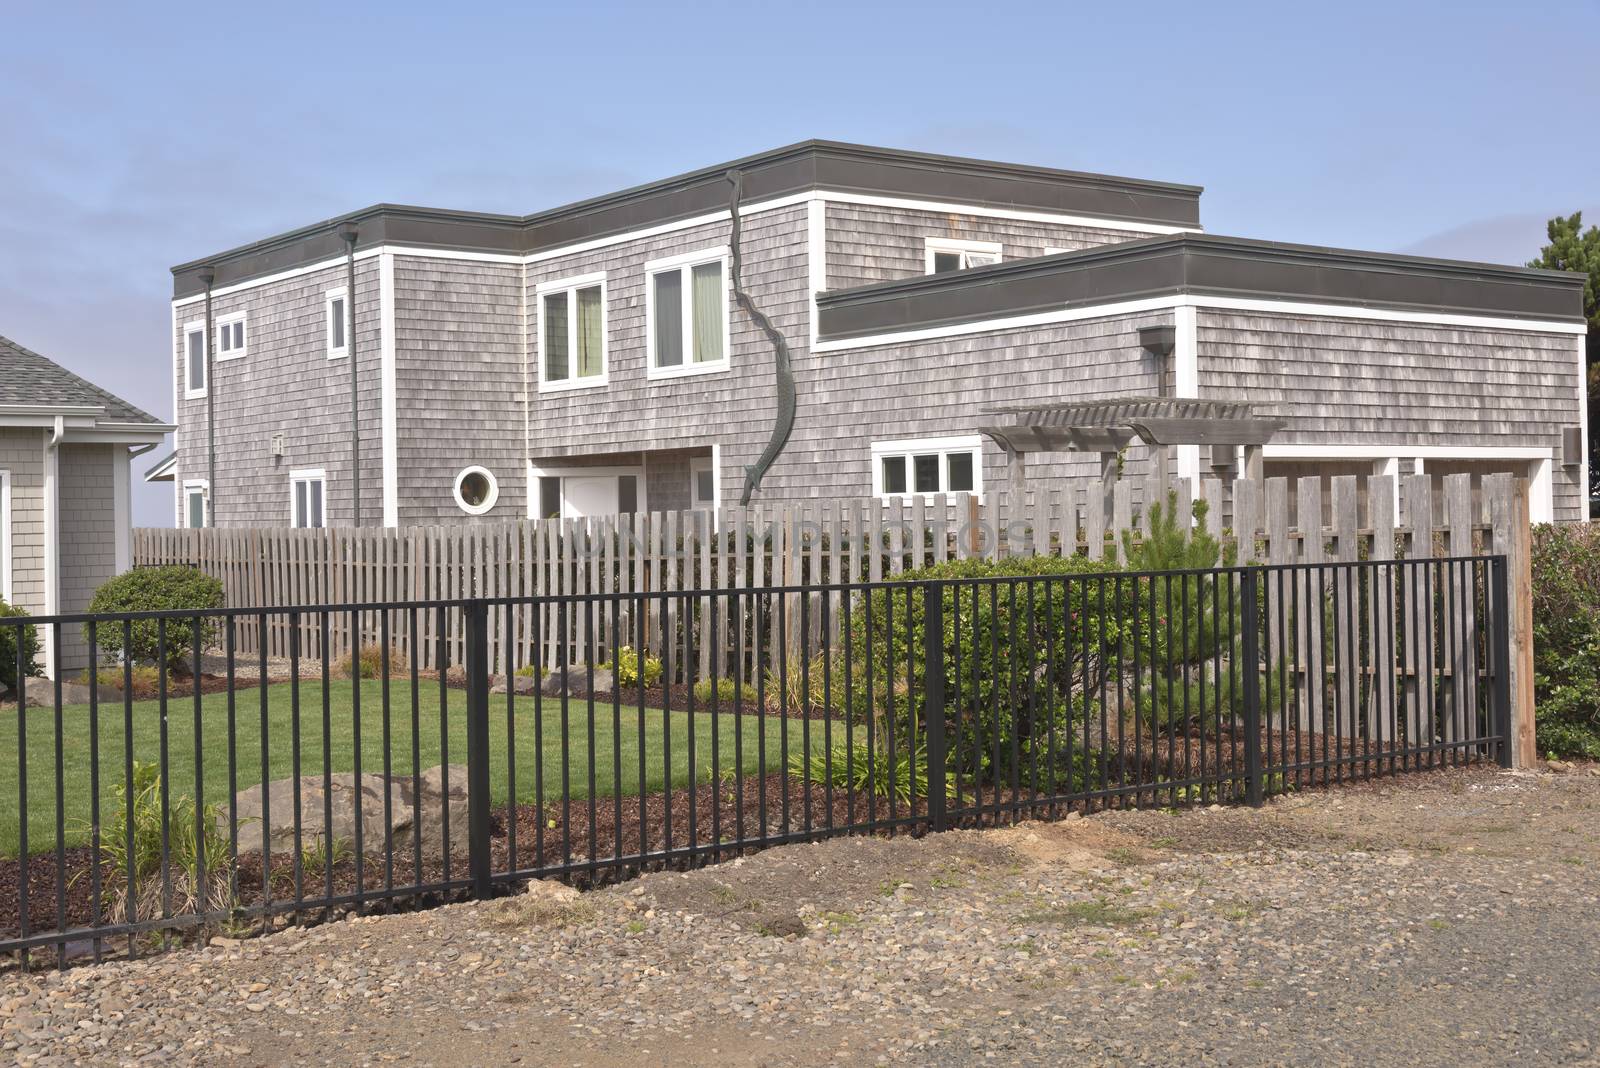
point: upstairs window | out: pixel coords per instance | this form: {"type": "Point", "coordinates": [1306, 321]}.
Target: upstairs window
{"type": "Point", "coordinates": [572, 337]}
{"type": "Point", "coordinates": [338, 324]}
{"type": "Point", "coordinates": [194, 360]}
{"type": "Point", "coordinates": [230, 337]}
{"type": "Point", "coordinates": [926, 467]}
{"type": "Point", "coordinates": [308, 498]}
{"type": "Point", "coordinates": [687, 313]}
{"type": "Point", "coordinates": [947, 254]}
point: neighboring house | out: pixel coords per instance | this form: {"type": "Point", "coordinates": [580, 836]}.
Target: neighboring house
{"type": "Point", "coordinates": [65, 445]}
{"type": "Point", "coordinates": [595, 358]}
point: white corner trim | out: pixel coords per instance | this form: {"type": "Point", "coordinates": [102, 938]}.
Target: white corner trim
{"type": "Point", "coordinates": [1583, 423]}
{"type": "Point", "coordinates": [1541, 492]}
{"type": "Point", "coordinates": [176, 354]}
{"type": "Point", "coordinates": [121, 507]}
{"type": "Point", "coordinates": [1186, 380]}
{"type": "Point", "coordinates": [816, 260]}
{"type": "Point", "coordinates": [388, 411]}
{"type": "Point", "coordinates": [6, 563]}
{"type": "Point", "coordinates": [52, 550]}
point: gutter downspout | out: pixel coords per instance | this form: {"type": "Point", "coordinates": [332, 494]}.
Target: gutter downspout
{"type": "Point", "coordinates": [209, 275]}
{"type": "Point", "coordinates": [782, 371]}
{"type": "Point", "coordinates": [349, 233]}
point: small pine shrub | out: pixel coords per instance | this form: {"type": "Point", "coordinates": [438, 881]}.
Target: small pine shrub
{"type": "Point", "coordinates": [724, 692]}
{"type": "Point", "coordinates": [151, 589]}
{"type": "Point", "coordinates": [9, 640]}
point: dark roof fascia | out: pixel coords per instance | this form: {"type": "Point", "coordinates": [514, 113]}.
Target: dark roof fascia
{"type": "Point", "coordinates": [1201, 265]}
{"type": "Point", "coordinates": [793, 169]}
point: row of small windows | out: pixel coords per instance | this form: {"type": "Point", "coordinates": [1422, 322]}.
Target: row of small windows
{"type": "Point", "coordinates": [307, 500]}
{"type": "Point", "coordinates": [231, 340]}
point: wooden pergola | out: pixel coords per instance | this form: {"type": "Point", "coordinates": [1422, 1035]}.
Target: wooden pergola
{"type": "Point", "coordinates": [1109, 425]}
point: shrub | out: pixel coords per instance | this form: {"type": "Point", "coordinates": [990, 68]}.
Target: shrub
{"type": "Point", "coordinates": [1566, 638]}
{"type": "Point", "coordinates": [145, 678]}
{"type": "Point", "coordinates": [724, 692]}
{"type": "Point", "coordinates": [9, 636]}
{"type": "Point", "coordinates": [372, 659]}
{"type": "Point", "coordinates": [804, 683]}
{"type": "Point", "coordinates": [855, 767]}
{"type": "Point", "coordinates": [1011, 654]}
{"type": "Point", "coordinates": [149, 589]}
{"type": "Point", "coordinates": [628, 668]}
{"type": "Point", "coordinates": [187, 829]}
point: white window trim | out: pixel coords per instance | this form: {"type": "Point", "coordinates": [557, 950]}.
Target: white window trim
{"type": "Point", "coordinates": [225, 321]}
{"type": "Point", "coordinates": [685, 263]}
{"type": "Point", "coordinates": [698, 464]}
{"type": "Point", "coordinates": [1053, 250]}
{"type": "Point", "coordinates": [192, 327]}
{"type": "Point", "coordinates": [536, 473]}
{"type": "Point", "coordinates": [908, 447]}
{"type": "Point", "coordinates": [341, 293]}
{"type": "Point", "coordinates": [309, 474]}
{"type": "Point", "coordinates": [470, 509]}
{"type": "Point", "coordinates": [951, 244]}
{"type": "Point", "coordinates": [203, 487]}
{"type": "Point", "coordinates": [5, 536]}
{"type": "Point", "coordinates": [570, 286]}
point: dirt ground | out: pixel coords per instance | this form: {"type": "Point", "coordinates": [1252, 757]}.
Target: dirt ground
{"type": "Point", "coordinates": [1448, 918]}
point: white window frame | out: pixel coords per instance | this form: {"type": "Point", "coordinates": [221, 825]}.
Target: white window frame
{"type": "Point", "coordinates": [461, 503]}
{"type": "Point", "coordinates": [685, 264]}
{"type": "Point", "coordinates": [641, 505]}
{"type": "Point", "coordinates": [699, 465]}
{"type": "Point", "coordinates": [308, 475]}
{"type": "Point", "coordinates": [227, 322]}
{"type": "Point", "coordinates": [342, 351]}
{"type": "Point", "coordinates": [960, 247]}
{"type": "Point", "coordinates": [907, 448]}
{"type": "Point", "coordinates": [570, 286]}
{"type": "Point", "coordinates": [6, 563]}
{"type": "Point", "coordinates": [190, 390]}
{"type": "Point", "coordinates": [1052, 250]}
{"type": "Point", "coordinates": [191, 486]}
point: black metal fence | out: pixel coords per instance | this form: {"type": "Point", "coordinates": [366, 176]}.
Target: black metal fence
{"type": "Point", "coordinates": [237, 791]}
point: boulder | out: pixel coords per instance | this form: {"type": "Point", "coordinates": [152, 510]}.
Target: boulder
{"type": "Point", "coordinates": [349, 801]}
{"type": "Point", "coordinates": [577, 681]}
{"type": "Point", "coordinates": [522, 685]}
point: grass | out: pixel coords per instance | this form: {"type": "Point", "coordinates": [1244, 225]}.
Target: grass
{"type": "Point", "coordinates": [435, 744]}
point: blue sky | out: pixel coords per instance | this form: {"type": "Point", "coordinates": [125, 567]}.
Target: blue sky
{"type": "Point", "coordinates": [137, 136]}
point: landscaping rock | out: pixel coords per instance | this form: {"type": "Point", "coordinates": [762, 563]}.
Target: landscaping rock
{"type": "Point", "coordinates": [523, 685]}
{"type": "Point", "coordinates": [577, 681]}
{"type": "Point", "coordinates": [346, 799]}
{"type": "Point", "coordinates": [73, 693]}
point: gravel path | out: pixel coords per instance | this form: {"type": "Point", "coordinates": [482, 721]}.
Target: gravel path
{"type": "Point", "coordinates": [1447, 919]}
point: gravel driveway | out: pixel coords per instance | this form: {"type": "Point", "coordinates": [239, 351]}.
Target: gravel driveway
{"type": "Point", "coordinates": [1447, 919]}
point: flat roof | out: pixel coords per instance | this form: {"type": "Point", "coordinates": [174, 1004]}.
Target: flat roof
{"type": "Point", "coordinates": [796, 168]}
{"type": "Point", "coordinates": [1200, 264]}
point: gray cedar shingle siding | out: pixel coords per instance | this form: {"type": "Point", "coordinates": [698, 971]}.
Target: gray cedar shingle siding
{"type": "Point", "coordinates": [1345, 381]}
{"type": "Point", "coordinates": [867, 244]}
{"type": "Point", "coordinates": [22, 454]}
{"type": "Point", "coordinates": [88, 539]}
{"type": "Point", "coordinates": [458, 374]}
{"type": "Point", "coordinates": [286, 384]}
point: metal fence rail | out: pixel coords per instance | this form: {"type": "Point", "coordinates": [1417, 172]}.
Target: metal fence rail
{"type": "Point", "coordinates": [252, 790]}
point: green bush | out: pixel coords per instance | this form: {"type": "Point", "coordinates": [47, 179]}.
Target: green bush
{"type": "Point", "coordinates": [1011, 655]}
{"type": "Point", "coordinates": [802, 684]}
{"type": "Point", "coordinates": [150, 589]}
{"type": "Point", "coordinates": [371, 661]}
{"type": "Point", "coordinates": [8, 648]}
{"type": "Point", "coordinates": [856, 767]}
{"type": "Point", "coordinates": [724, 692]}
{"type": "Point", "coordinates": [187, 830]}
{"type": "Point", "coordinates": [1566, 638]}
{"type": "Point", "coordinates": [628, 668]}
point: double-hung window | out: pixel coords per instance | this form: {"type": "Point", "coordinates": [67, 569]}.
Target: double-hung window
{"type": "Point", "coordinates": [338, 329]}
{"type": "Point", "coordinates": [948, 254]}
{"type": "Point", "coordinates": [686, 312]}
{"type": "Point", "coordinates": [308, 492]}
{"type": "Point", "coordinates": [572, 332]}
{"type": "Point", "coordinates": [927, 466]}
{"type": "Point", "coordinates": [231, 336]}
{"type": "Point", "coordinates": [703, 482]}
{"type": "Point", "coordinates": [194, 359]}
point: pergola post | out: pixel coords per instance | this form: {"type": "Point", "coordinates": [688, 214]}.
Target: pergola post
{"type": "Point", "coordinates": [1108, 482]}
{"type": "Point", "coordinates": [1017, 475]}
{"type": "Point", "coordinates": [1253, 462]}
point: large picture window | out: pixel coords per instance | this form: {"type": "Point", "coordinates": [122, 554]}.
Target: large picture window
{"type": "Point", "coordinates": [572, 334]}
{"type": "Point", "coordinates": [687, 311]}
{"type": "Point", "coordinates": [927, 466]}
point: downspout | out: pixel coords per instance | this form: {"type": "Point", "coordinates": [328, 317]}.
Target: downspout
{"type": "Point", "coordinates": [209, 275]}
{"type": "Point", "coordinates": [784, 423]}
{"type": "Point", "coordinates": [349, 232]}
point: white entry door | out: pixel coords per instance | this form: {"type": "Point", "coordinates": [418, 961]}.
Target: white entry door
{"type": "Point", "coordinates": [584, 495]}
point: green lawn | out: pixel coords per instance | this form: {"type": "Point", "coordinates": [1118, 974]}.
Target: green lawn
{"type": "Point", "coordinates": [434, 745]}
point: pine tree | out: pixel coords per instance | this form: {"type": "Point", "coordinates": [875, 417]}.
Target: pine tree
{"type": "Point", "coordinates": [1572, 248]}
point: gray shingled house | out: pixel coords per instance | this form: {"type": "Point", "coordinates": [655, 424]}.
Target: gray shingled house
{"type": "Point", "coordinates": [65, 447]}
{"type": "Point", "coordinates": [640, 350]}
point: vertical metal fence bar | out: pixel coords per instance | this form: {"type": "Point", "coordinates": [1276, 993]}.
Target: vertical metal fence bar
{"type": "Point", "coordinates": [385, 689]}
{"type": "Point", "coordinates": [92, 636]}
{"type": "Point", "coordinates": [60, 797]}
{"type": "Point", "coordinates": [475, 620]}
{"type": "Point", "coordinates": [130, 908]}
{"type": "Point", "coordinates": [201, 887]}
{"type": "Point", "coordinates": [589, 711]}
{"type": "Point", "coordinates": [1251, 654]}
{"type": "Point", "coordinates": [357, 666]}
{"type": "Point", "coordinates": [418, 651]}
{"type": "Point", "coordinates": [164, 768]}
{"type": "Point", "coordinates": [23, 910]}
{"type": "Point", "coordinates": [933, 701]}
{"type": "Point", "coordinates": [327, 844]}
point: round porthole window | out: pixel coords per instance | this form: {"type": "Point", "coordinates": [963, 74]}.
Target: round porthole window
{"type": "Point", "coordinates": [476, 490]}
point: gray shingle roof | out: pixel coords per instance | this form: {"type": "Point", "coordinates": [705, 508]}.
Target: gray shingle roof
{"type": "Point", "coordinates": [28, 378]}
